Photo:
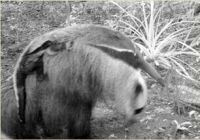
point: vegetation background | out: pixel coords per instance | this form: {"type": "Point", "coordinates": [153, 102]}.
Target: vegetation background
{"type": "Point", "coordinates": [167, 33]}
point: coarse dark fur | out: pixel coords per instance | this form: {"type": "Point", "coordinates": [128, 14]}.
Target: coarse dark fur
{"type": "Point", "coordinates": [10, 124]}
{"type": "Point", "coordinates": [59, 77]}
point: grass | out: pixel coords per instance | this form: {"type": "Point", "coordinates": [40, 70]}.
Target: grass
{"type": "Point", "coordinates": [164, 42]}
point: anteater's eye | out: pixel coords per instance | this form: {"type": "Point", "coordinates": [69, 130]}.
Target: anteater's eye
{"type": "Point", "coordinates": [138, 89]}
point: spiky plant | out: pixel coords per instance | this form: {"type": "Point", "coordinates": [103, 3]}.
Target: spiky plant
{"type": "Point", "coordinates": [165, 42]}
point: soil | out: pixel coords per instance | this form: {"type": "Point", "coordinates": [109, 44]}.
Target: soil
{"type": "Point", "coordinates": [159, 120]}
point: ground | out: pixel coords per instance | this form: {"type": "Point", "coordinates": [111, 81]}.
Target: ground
{"type": "Point", "coordinates": [157, 121]}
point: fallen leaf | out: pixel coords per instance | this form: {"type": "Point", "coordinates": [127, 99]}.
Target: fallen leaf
{"type": "Point", "coordinates": [112, 136]}
{"type": "Point", "coordinates": [186, 124]}
{"type": "Point", "coordinates": [162, 129]}
{"type": "Point", "coordinates": [149, 117]}
{"type": "Point", "coordinates": [192, 113]}
{"type": "Point", "coordinates": [159, 110]}
{"type": "Point", "coordinates": [148, 127]}
{"type": "Point", "coordinates": [182, 128]}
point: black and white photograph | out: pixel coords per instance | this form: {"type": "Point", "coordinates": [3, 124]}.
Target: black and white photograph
{"type": "Point", "coordinates": [112, 69]}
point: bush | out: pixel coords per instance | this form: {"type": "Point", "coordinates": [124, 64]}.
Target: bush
{"type": "Point", "coordinates": [162, 40]}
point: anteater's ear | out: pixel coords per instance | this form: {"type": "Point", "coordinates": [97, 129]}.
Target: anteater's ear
{"type": "Point", "coordinates": [134, 59]}
{"type": "Point", "coordinates": [29, 62]}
